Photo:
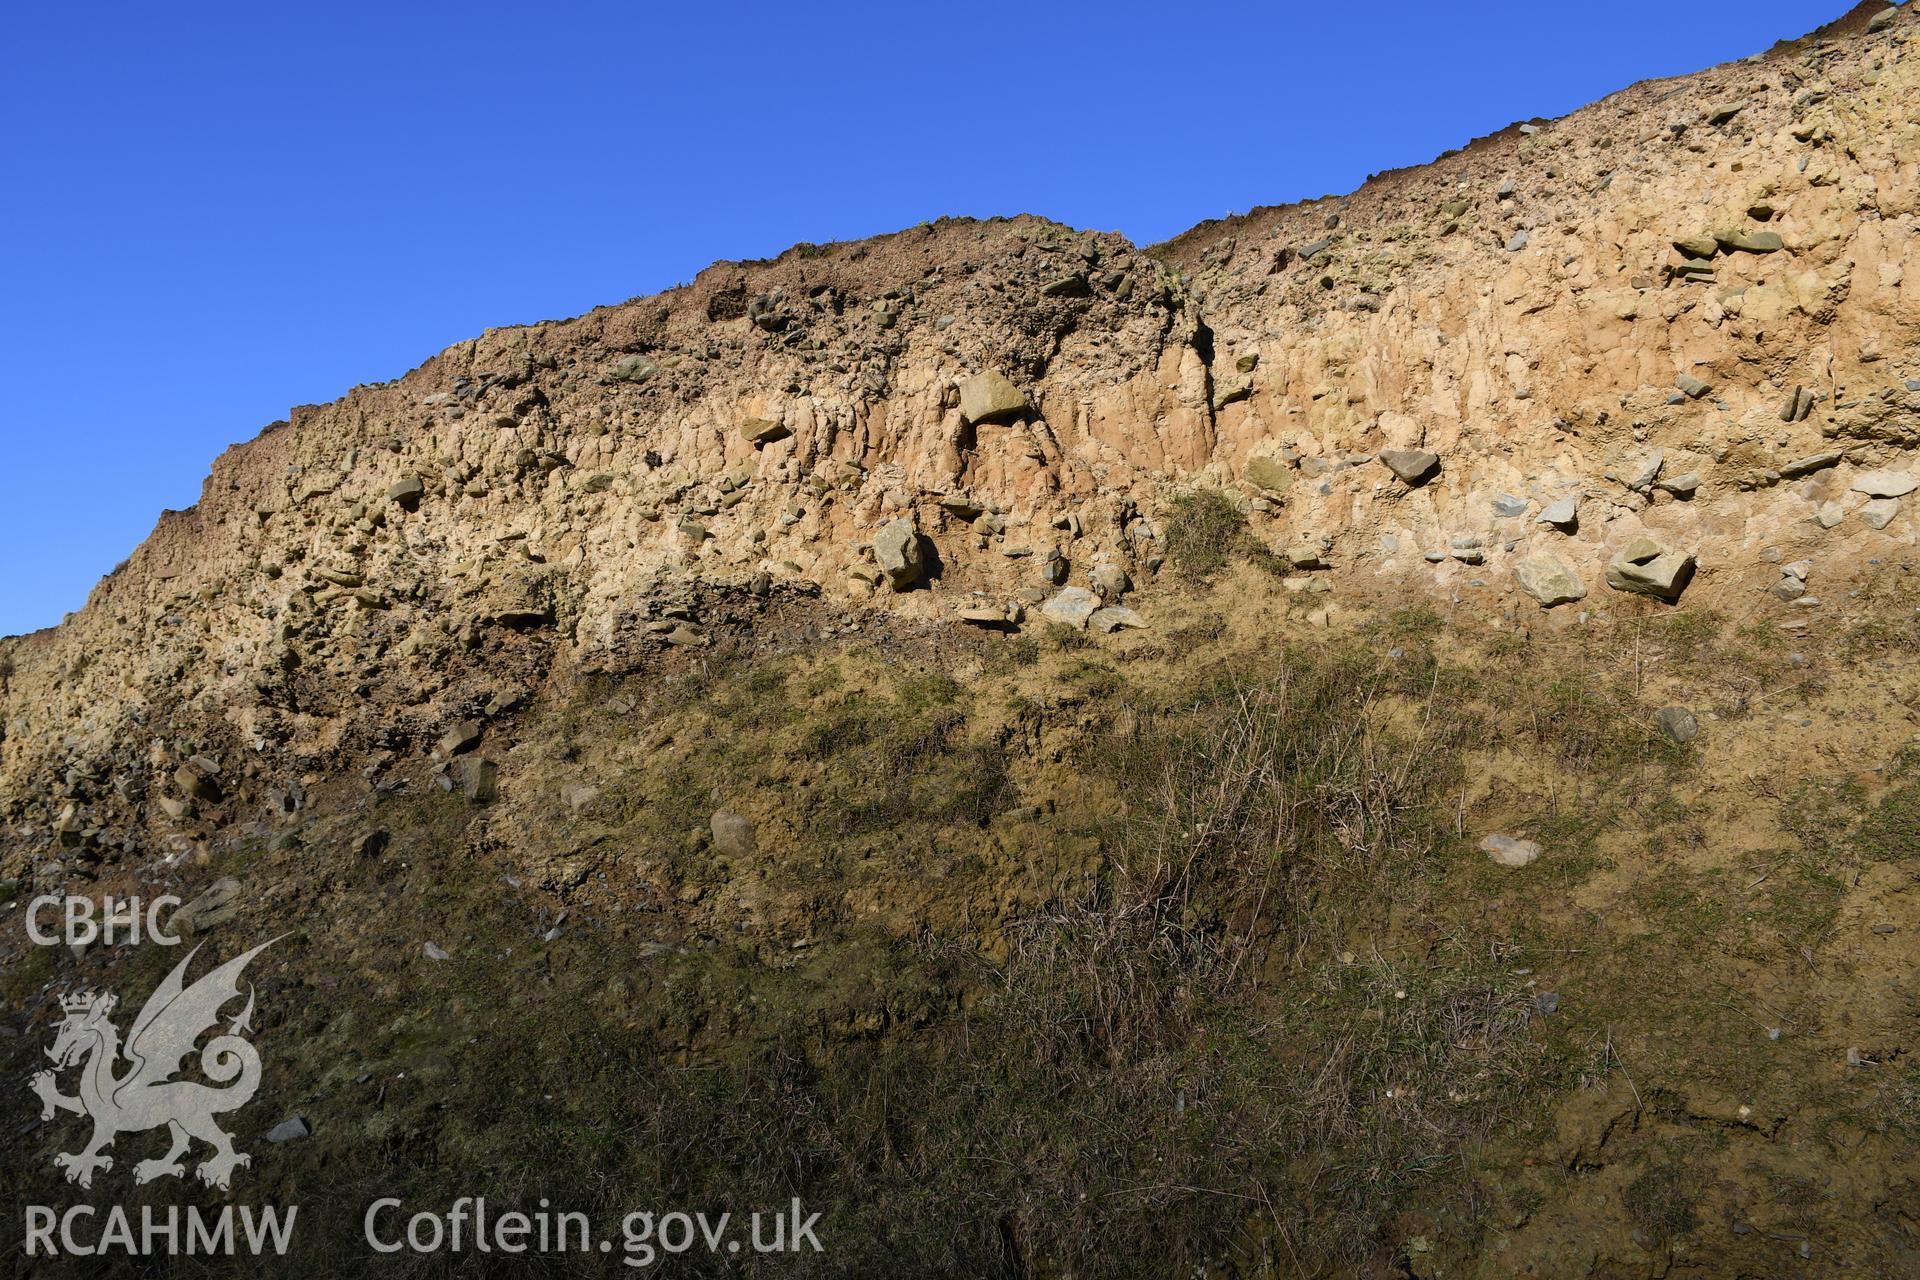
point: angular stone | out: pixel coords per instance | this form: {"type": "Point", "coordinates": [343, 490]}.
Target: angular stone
{"type": "Point", "coordinates": [1681, 486]}
{"type": "Point", "coordinates": [1878, 513]}
{"type": "Point", "coordinates": [1700, 247]}
{"type": "Point", "coordinates": [1693, 386]}
{"type": "Point", "coordinates": [1071, 605]}
{"type": "Point", "coordinates": [989, 397]}
{"type": "Point", "coordinates": [1114, 618]}
{"type": "Point", "coordinates": [1643, 476]}
{"type": "Point", "coordinates": [406, 492]}
{"type": "Point", "coordinates": [984, 616]}
{"type": "Point", "coordinates": [479, 778]}
{"type": "Point", "coordinates": [898, 551]}
{"type": "Point", "coordinates": [1797, 406]}
{"type": "Point", "coordinates": [1646, 569]}
{"type": "Point", "coordinates": [1518, 242]}
{"type": "Point", "coordinates": [1507, 506]}
{"type": "Point", "coordinates": [1885, 484]}
{"type": "Point", "coordinates": [1305, 555]}
{"type": "Point", "coordinates": [462, 737]}
{"type": "Point", "coordinates": [1562, 513]}
{"type": "Point", "coordinates": [1549, 580]}
{"type": "Point", "coordinates": [1231, 391]}
{"type": "Point", "coordinates": [761, 432]}
{"type": "Point", "coordinates": [1414, 466]}
{"type": "Point", "coordinates": [1510, 851]}
{"type": "Point", "coordinates": [215, 906]}
{"type": "Point", "coordinates": [289, 1130]}
{"type": "Point", "coordinates": [1750, 241]}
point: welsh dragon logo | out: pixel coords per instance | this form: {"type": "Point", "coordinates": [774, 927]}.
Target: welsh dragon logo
{"type": "Point", "coordinates": [145, 1096]}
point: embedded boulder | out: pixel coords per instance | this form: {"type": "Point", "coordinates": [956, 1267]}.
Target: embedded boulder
{"type": "Point", "coordinates": [1269, 474]}
{"type": "Point", "coordinates": [1414, 466]}
{"type": "Point", "coordinates": [761, 432]}
{"type": "Point", "coordinates": [989, 397]}
{"type": "Point", "coordinates": [1548, 579]}
{"type": "Point", "coordinates": [1646, 568]}
{"type": "Point", "coordinates": [898, 551]}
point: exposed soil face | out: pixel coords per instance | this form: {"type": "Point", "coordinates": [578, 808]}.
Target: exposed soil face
{"type": "Point", "coordinates": [990, 730]}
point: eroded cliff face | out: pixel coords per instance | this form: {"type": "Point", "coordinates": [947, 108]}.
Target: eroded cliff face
{"type": "Point", "coordinates": [1663, 345]}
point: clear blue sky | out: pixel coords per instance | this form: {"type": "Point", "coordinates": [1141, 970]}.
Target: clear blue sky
{"type": "Point", "coordinates": [209, 213]}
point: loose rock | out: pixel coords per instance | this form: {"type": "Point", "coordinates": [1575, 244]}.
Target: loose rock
{"type": "Point", "coordinates": [1073, 606]}
{"type": "Point", "coordinates": [1677, 724]}
{"type": "Point", "coordinates": [1511, 851]}
{"type": "Point", "coordinates": [733, 835]}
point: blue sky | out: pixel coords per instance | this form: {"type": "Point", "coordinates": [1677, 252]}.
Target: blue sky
{"type": "Point", "coordinates": [209, 213]}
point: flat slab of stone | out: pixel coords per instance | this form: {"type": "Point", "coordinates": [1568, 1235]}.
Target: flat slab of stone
{"type": "Point", "coordinates": [1071, 605]}
{"type": "Point", "coordinates": [763, 431]}
{"type": "Point", "coordinates": [1115, 618]}
{"type": "Point", "coordinates": [1808, 465]}
{"type": "Point", "coordinates": [1878, 513]}
{"type": "Point", "coordinates": [1750, 241]}
{"type": "Point", "coordinates": [989, 397]}
{"type": "Point", "coordinates": [1562, 513]}
{"type": "Point", "coordinates": [1885, 484]}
